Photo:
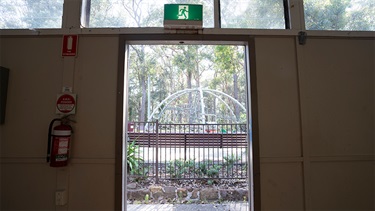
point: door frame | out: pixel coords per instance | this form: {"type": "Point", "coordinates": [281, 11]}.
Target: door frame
{"type": "Point", "coordinates": [252, 105]}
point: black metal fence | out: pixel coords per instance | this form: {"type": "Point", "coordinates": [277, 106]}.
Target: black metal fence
{"type": "Point", "coordinates": [188, 151]}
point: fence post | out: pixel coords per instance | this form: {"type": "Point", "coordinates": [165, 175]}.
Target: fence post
{"type": "Point", "coordinates": [157, 152]}
{"type": "Point", "coordinates": [185, 146]}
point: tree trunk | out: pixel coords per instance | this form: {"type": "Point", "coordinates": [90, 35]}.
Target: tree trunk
{"type": "Point", "coordinates": [235, 95]}
{"type": "Point", "coordinates": [143, 83]}
{"type": "Point", "coordinates": [189, 77]}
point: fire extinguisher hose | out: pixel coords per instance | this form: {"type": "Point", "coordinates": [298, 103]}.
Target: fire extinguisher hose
{"type": "Point", "coordinates": [50, 139]}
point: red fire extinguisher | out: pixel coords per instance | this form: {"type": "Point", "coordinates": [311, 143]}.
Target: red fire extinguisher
{"type": "Point", "coordinates": [59, 138]}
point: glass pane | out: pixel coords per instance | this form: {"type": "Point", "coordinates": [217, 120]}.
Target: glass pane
{"type": "Point", "coordinates": [257, 14]}
{"type": "Point", "coordinates": [16, 14]}
{"type": "Point", "coordinates": [139, 13]}
{"type": "Point", "coordinates": [351, 15]}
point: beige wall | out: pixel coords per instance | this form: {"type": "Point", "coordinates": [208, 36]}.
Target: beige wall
{"type": "Point", "coordinates": [316, 122]}
{"type": "Point", "coordinates": [37, 74]}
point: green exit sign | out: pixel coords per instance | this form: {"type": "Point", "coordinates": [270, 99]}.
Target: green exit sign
{"type": "Point", "coordinates": [183, 15]}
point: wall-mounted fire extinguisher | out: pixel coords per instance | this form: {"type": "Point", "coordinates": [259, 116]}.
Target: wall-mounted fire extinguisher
{"type": "Point", "coordinates": [59, 138]}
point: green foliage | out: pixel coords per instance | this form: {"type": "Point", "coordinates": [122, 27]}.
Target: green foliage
{"type": "Point", "coordinates": [339, 15]}
{"type": "Point", "coordinates": [208, 169]}
{"type": "Point", "coordinates": [31, 14]}
{"type": "Point", "coordinates": [230, 160]}
{"type": "Point", "coordinates": [140, 173]}
{"type": "Point", "coordinates": [202, 170]}
{"type": "Point", "coordinates": [259, 14]}
{"type": "Point", "coordinates": [177, 168]}
{"type": "Point", "coordinates": [137, 13]}
{"type": "Point", "coordinates": [132, 157]}
{"type": "Point", "coordinates": [325, 15]}
{"type": "Point", "coordinates": [177, 67]}
{"type": "Point", "coordinates": [213, 171]}
{"type": "Point", "coordinates": [190, 165]}
{"type": "Point", "coordinates": [230, 66]}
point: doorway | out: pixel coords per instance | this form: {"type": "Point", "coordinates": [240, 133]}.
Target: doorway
{"type": "Point", "coordinates": [185, 121]}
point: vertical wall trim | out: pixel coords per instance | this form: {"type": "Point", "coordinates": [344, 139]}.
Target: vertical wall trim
{"type": "Point", "coordinates": [68, 72]}
{"type": "Point", "coordinates": [71, 14]}
{"type": "Point", "coordinates": [217, 14]}
{"type": "Point", "coordinates": [306, 161]}
{"type": "Point", "coordinates": [256, 189]}
{"type": "Point", "coordinates": [296, 12]}
{"type": "Point", "coordinates": [85, 14]}
{"type": "Point", "coordinates": [120, 200]}
{"type": "Point", "coordinates": [286, 13]}
{"type": "Point", "coordinates": [373, 118]}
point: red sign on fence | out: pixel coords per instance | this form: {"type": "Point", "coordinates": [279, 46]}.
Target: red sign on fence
{"type": "Point", "coordinates": [69, 46]}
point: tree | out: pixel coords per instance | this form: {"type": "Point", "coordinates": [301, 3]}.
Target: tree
{"type": "Point", "coordinates": [173, 68]}
{"type": "Point", "coordinates": [229, 62]}
{"type": "Point", "coordinates": [340, 15]}
{"type": "Point", "coordinates": [31, 14]}
{"type": "Point", "coordinates": [44, 14]}
{"type": "Point", "coordinates": [134, 10]}
{"type": "Point", "coordinates": [260, 14]}
{"type": "Point", "coordinates": [104, 13]}
{"type": "Point", "coordinates": [361, 15]}
{"type": "Point", "coordinates": [325, 15]}
{"type": "Point", "coordinates": [187, 60]}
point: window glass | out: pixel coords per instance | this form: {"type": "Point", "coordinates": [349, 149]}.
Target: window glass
{"type": "Point", "coordinates": [351, 15]}
{"type": "Point", "coordinates": [16, 14]}
{"type": "Point", "coordinates": [139, 13]}
{"type": "Point", "coordinates": [257, 14]}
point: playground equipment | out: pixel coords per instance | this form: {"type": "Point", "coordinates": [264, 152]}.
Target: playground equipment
{"type": "Point", "coordinates": [190, 106]}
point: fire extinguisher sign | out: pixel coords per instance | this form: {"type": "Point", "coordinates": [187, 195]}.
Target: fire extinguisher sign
{"type": "Point", "coordinates": [66, 104]}
{"type": "Point", "coordinates": [69, 45]}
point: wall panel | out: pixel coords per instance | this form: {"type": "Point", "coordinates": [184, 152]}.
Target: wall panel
{"type": "Point", "coordinates": [27, 186]}
{"type": "Point", "coordinates": [316, 123]}
{"type": "Point", "coordinates": [342, 185]}
{"type": "Point", "coordinates": [279, 123]}
{"type": "Point", "coordinates": [282, 186]}
{"type": "Point", "coordinates": [337, 104]}
{"type": "Point", "coordinates": [35, 75]}
{"type": "Point", "coordinates": [91, 187]}
{"type": "Point", "coordinates": [338, 96]}
{"type": "Point", "coordinates": [95, 83]}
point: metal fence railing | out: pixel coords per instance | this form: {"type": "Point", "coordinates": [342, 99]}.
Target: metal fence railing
{"type": "Point", "coordinates": [188, 151]}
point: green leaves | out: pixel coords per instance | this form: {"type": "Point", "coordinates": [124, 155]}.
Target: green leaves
{"type": "Point", "coordinates": [230, 160]}
{"type": "Point", "coordinates": [31, 14]}
{"type": "Point", "coordinates": [172, 68]}
{"type": "Point", "coordinates": [132, 157]}
{"type": "Point", "coordinates": [187, 169]}
{"type": "Point", "coordinates": [340, 15]}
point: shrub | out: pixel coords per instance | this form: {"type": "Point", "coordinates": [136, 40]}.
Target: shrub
{"type": "Point", "coordinates": [132, 158]}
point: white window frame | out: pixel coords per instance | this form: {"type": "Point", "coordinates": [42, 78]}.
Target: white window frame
{"type": "Point", "coordinates": [72, 25]}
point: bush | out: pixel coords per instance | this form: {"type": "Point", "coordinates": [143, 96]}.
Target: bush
{"type": "Point", "coordinates": [132, 158]}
